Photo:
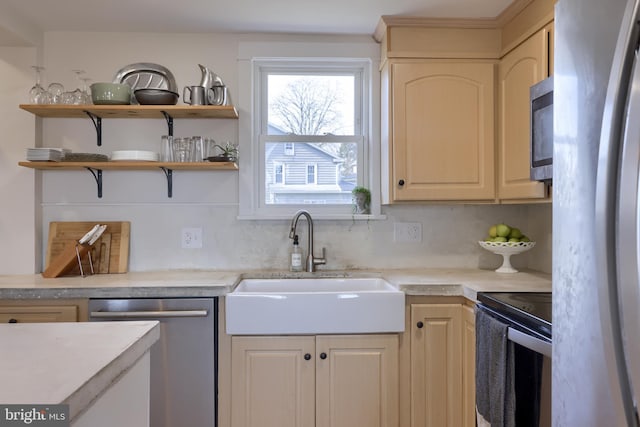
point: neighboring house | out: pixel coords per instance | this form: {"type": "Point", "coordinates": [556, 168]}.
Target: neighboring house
{"type": "Point", "coordinates": [303, 173]}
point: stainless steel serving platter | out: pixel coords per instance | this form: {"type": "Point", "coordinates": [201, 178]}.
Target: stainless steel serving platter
{"type": "Point", "coordinates": [146, 75]}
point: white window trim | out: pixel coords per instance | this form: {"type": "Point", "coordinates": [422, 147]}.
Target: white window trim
{"type": "Point", "coordinates": [251, 195]}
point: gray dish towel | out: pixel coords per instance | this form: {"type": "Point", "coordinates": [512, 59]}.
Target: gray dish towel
{"type": "Point", "coordinates": [495, 388]}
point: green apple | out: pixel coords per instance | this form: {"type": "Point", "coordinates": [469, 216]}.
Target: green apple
{"type": "Point", "coordinates": [493, 232]}
{"type": "Point", "coordinates": [514, 239]}
{"type": "Point", "coordinates": [500, 239]}
{"type": "Point", "coordinates": [503, 230]}
{"type": "Point", "coordinates": [515, 233]}
{"type": "Point", "coordinates": [525, 239]}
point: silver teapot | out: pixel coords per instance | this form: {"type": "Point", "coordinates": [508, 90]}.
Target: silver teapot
{"type": "Point", "coordinates": [210, 80]}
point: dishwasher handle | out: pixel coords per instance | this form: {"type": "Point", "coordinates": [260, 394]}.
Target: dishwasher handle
{"type": "Point", "coordinates": [147, 314]}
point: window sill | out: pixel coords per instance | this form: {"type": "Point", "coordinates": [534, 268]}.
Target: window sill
{"type": "Point", "coordinates": [316, 217]}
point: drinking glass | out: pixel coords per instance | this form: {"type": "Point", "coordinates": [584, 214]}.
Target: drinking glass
{"type": "Point", "coordinates": [166, 148]}
{"type": "Point", "coordinates": [55, 93]}
{"type": "Point", "coordinates": [182, 150]}
{"type": "Point", "coordinates": [37, 94]}
{"type": "Point", "coordinates": [197, 149]}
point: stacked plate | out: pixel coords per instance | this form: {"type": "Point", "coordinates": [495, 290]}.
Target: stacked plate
{"type": "Point", "coordinates": [135, 156]}
{"type": "Point", "coordinates": [46, 154]}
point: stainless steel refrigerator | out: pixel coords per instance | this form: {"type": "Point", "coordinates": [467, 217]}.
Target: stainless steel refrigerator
{"type": "Point", "coordinates": [596, 231]}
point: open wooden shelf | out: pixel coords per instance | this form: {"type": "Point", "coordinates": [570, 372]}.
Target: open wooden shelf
{"type": "Point", "coordinates": [133, 111]}
{"type": "Point", "coordinates": [125, 165]}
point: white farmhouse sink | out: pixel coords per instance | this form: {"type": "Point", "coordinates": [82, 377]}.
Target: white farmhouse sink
{"type": "Point", "coordinates": [314, 306]}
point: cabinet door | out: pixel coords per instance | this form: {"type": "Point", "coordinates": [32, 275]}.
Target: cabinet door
{"type": "Point", "coordinates": [357, 381]}
{"type": "Point", "coordinates": [273, 384]}
{"type": "Point", "coordinates": [436, 374]}
{"type": "Point", "coordinates": [38, 314]}
{"type": "Point", "coordinates": [442, 131]}
{"type": "Point", "coordinates": [468, 367]}
{"type": "Point", "coordinates": [519, 70]}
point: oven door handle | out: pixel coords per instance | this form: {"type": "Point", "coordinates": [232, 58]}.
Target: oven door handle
{"type": "Point", "coordinates": [530, 342]}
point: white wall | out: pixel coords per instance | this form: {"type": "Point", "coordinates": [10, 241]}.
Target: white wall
{"type": "Point", "coordinates": [210, 199]}
{"type": "Point", "coordinates": [19, 228]}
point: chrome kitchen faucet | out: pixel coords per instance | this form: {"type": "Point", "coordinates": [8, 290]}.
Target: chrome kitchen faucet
{"type": "Point", "coordinates": [311, 260]}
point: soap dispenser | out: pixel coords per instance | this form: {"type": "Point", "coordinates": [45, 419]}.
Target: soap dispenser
{"type": "Point", "coordinates": [296, 256]}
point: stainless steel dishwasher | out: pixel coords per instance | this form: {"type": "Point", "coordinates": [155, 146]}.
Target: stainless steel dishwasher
{"type": "Point", "coordinates": [184, 365]}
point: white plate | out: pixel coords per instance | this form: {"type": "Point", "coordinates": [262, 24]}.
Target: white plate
{"type": "Point", "coordinates": [134, 155]}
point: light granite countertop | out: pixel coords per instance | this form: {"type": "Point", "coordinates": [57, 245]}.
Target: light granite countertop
{"type": "Point", "coordinates": [190, 283]}
{"type": "Point", "coordinates": [68, 363]}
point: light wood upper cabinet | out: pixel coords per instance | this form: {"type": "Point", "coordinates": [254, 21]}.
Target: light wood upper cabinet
{"type": "Point", "coordinates": [306, 381]}
{"type": "Point", "coordinates": [527, 64]}
{"type": "Point", "coordinates": [440, 130]}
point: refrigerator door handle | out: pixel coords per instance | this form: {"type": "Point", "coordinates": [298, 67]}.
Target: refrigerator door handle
{"type": "Point", "coordinates": [617, 167]}
{"type": "Point", "coordinates": [628, 235]}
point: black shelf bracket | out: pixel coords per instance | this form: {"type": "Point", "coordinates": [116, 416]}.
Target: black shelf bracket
{"type": "Point", "coordinates": [97, 175]}
{"type": "Point", "coordinates": [169, 120]}
{"type": "Point", "coordinates": [169, 174]}
{"type": "Point", "coordinates": [97, 123]}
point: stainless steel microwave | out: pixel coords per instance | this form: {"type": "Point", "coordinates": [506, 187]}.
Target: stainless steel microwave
{"type": "Point", "coordinates": [541, 137]}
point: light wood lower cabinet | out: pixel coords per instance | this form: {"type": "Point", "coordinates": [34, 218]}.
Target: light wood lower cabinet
{"type": "Point", "coordinates": [306, 381]}
{"type": "Point", "coordinates": [438, 347]}
{"type": "Point", "coordinates": [42, 311]}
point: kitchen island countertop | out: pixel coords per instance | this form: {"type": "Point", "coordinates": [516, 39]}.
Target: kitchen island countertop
{"type": "Point", "coordinates": [202, 283]}
{"type": "Point", "coordinates": [68, 363]}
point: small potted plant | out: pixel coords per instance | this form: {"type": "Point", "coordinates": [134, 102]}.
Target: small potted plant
{"type": "Point", "coordinates": [361, 201]}
{"type": "Point", "coordinates": [228, 153]}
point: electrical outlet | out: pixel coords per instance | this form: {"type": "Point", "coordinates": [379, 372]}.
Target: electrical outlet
{"type": "Point", "coordinates": [407, 232]}
{"type": "Point", "coordinates": [192, 238]}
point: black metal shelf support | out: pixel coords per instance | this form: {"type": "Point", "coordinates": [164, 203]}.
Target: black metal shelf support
{"type": "Point", "coordinates": [97, 175]}
{"type": "Point", "coordinates": [169, 120]}
{"type": "Point", "coordinates": [97, 123]}
{"type": "Point", "coordinates": [169, 174]}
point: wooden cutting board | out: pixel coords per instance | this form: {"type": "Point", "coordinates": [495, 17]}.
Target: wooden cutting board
{"type": "Point", "coordinates": [110, 253]}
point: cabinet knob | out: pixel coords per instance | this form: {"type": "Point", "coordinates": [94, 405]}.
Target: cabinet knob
{"type": "Point", "coordinates": [323, 356]}
{"type": "Point", "coordinates": [307, 356]}
{"type": "Point", "coordinates": [401, 182]}
{"type": "Point", "coordinates": [420, 325]}
{"type": "Point", "coordinates": [13, 320]}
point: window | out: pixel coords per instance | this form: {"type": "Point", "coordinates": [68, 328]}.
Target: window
{"type": "Point", "coordinates": [311, 174]}
{"type": "Point", "coordinates": [288, 149]}
{"type": "Point", "coordinates": [278, 173]}
{"type": "Point", "coordinates": [309, 142]}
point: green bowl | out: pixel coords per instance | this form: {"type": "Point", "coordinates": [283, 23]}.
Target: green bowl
{"type": "Point", "coordinates": [110, 94]}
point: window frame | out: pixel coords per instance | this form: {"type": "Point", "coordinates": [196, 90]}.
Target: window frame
{"type": "Point", "coordinates": [252, 159]}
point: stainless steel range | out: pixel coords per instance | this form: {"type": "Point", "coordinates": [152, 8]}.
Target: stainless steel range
{"type": "Point", "coordinates": [527, 317]}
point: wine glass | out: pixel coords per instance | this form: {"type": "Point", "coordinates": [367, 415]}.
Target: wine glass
{"type": "Point", "coordinates": [78, 97]}
{"type": "Point", "coordinates": [86, 96]}
{"type": "Point", "coordinates": [37, 94]}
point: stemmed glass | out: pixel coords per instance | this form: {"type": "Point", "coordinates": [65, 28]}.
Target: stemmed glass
{"type": "Point", "coordinates": [38, 94]}
{"type": "Point", "coordinates": [85, 95]}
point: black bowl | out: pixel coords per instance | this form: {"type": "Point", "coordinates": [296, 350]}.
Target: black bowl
{"type": "Point", "coordinates": [150, 96]}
